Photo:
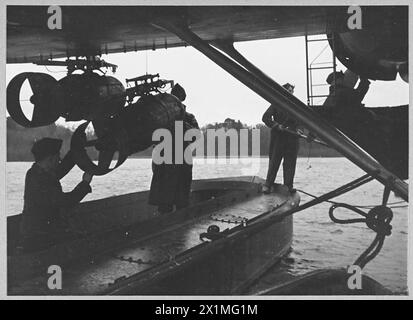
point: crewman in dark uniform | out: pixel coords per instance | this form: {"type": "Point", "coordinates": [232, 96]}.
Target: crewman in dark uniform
{"type": "Point", "coordinates": [171, 183]}
{"type": "Point", "coordinates": [344, 109]}
{"type": "Point", "coordinates": [42, 221]}
{"type": "Point", "coordinates": [283, 145]}
{"type": "Point", "coordinates": [343, 96]}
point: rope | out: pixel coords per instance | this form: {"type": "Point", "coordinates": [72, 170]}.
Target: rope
{"type": "Point", "coordinates": [332, 194]}
{"type": "Point", "coordinates": [257, 223]}
{"type": "Point", "coordinates": [390, 205]}
{"type": "Point", "coordinates": [377, 219]}
{"type": "Point", "coordinates": [301, 135]}
{"type": "Point", "coordinates": [51, 71]}
{"type": "Point", "coordinates": [308, 156]}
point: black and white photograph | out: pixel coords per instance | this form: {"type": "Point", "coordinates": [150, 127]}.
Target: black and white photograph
{"type": "Point", "coordinates": [202, 150]}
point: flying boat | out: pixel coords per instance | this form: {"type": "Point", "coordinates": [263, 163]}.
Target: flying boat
{"type": "Point", "coordinates": [231, 233]}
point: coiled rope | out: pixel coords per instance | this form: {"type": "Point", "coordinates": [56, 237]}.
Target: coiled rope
{"type": "Point", "coordinates": [377, 219]}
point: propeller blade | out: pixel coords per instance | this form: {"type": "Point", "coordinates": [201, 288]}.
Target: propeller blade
{"type": "Point", "coordinates": [105, 158]}
{"type": "Point", "coordinates": [45, 99]}
{"type": "Point", "coordinates": [13, 100]}
{"type": "Point", "coordinates": [78, 147]}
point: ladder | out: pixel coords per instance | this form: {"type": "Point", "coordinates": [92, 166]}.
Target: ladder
{"type": "Point", "coordinates": [318, 66]}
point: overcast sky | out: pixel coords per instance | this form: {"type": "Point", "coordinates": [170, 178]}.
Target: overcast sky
{"type": "Point", "coordinates": [213, 94]}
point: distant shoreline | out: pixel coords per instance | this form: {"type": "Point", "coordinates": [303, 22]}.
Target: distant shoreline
{"type": "Point", "coordinates": [20, 141]}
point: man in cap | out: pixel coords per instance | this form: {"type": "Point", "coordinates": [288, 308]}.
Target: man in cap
{"type": "Point", "coordinates": [179, 92]}
{"type": "Point", "coordinates": [171, 183]}
{"type": "Point", "coordinates": [342, 94]}
{"type": "Point", "coordinates": [42, 222]}
{"type": "Point", "coordinates": [283, 145]}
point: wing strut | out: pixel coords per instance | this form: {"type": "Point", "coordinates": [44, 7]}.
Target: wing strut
{"type": "Point", "coordinates": [271, 91]}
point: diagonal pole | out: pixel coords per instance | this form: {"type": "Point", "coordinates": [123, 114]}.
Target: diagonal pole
{"type": "Point", "coordinates": [275, 94]}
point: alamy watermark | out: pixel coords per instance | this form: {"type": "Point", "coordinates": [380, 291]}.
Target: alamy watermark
{"type": "Point", "coordinates": [354, 282]}
{"type": "Point", "coordinates": [54, 21]}
{"type": "Point", "coordinates": [239, 147]}
{"type": "Point", "coordinates": [354, 22]}
{"type": "Point", "coordinates": [54, 281]}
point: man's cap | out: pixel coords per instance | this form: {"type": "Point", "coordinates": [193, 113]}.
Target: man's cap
{"type": "Point", "coordinates": [337, 75]}
{"type": "Point", "coordinates": [178, 92]}
{"type": "Point", "coordinates": [288, 86]}
{"type": "Point", "coordinates": [46, 147]}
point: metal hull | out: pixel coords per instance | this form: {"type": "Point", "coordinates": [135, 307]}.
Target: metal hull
{"type": "Point", "coordinates": [229, 269]}
{"type": "Point", "coordinates": [327, 282]}
{"type": "Point", "coordinates": [125, 249]}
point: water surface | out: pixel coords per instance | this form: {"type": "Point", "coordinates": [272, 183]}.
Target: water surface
{"type": "Point", "coordinates": [318, 242]}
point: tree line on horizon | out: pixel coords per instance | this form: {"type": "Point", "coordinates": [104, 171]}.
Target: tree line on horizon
{"type": "Point", "coordinates": [20, 140]}
{"type": "Point", "coordinates": [306, 149]}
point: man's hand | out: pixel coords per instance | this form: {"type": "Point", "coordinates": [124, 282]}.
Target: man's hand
{"type": "Point", "coordinates": [278, 126]}
{"type": "Point", "coordinates": [269, 124]}
{"type": "Point", "coordinates": [365, 80]}
{"type": "Point", "coordinates": [311, 137]}
{"type": "Point", "coordinates": [87, 177]}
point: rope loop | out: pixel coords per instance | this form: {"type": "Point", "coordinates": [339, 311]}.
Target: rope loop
{"type": "Point", "coordinates": [346, 221]}
{"type": "Point", "coordinates": [377, 219]}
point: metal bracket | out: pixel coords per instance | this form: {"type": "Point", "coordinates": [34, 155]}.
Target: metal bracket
{"type": "Point", "coordinates": [88, 64]}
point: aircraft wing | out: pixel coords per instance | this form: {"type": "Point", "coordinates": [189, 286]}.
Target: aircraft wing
{"type": "Point", "coordinates": [95, 30]}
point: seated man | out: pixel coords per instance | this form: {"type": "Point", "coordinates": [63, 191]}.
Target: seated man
{"type": "Point", "coordinates": [42, 223]}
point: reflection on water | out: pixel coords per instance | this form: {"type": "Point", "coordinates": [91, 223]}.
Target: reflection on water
{"type": "Point", "coordinates": [318, 242]}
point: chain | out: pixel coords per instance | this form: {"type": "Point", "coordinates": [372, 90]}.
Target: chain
{"type": "Point", "coordinates": [232, 219]}
{"type": "Point", "coordinates": [138, 261]}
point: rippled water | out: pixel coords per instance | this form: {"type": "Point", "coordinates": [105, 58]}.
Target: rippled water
{"type": "Point", "coordinates": [318, 242]}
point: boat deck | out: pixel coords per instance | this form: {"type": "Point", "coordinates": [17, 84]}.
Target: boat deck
{"type": "Point", "coordinates": [99, 273]}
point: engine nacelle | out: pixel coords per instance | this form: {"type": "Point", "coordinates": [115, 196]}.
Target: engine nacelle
{"type": "Point", "coordinates": [89, 96]}
{"type": "Point", "coordinates": [86, 96]}
{"type": "Point", "coordinates": [46, 99]}
{"type": "Point", "coordinates": [378, 51]}
{"type": "Point", "coordinates": [129, 132]}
